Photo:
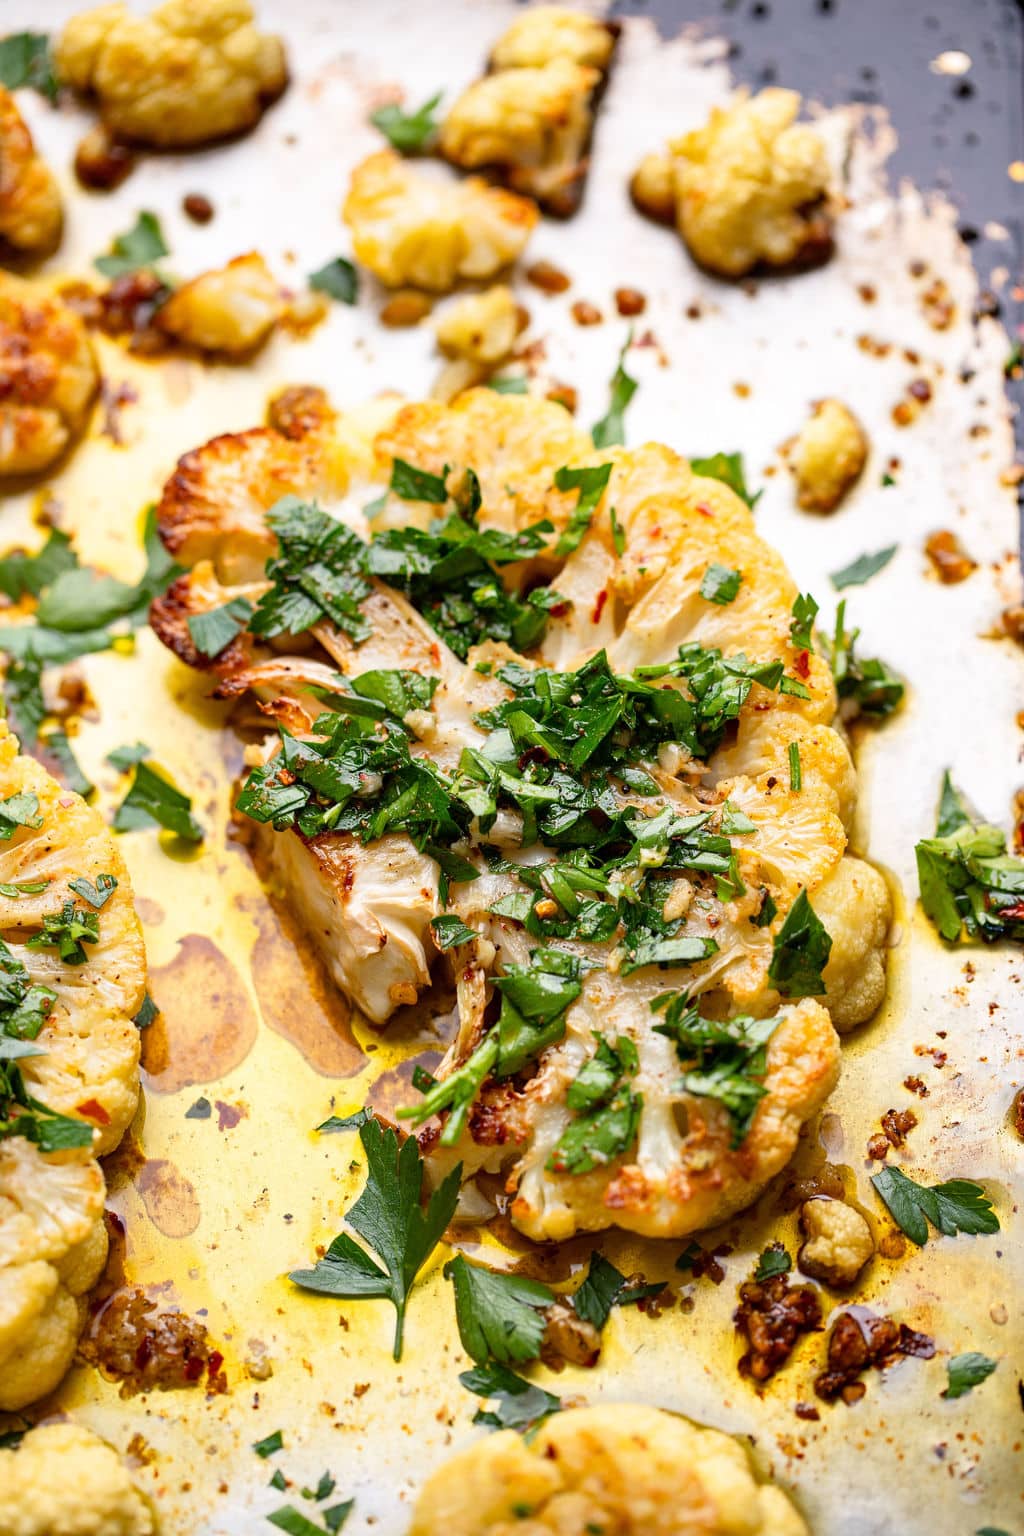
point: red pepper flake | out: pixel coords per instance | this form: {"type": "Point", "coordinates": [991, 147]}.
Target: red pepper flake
{"type": "Point", "coordinates": [802, 666]}
{"type": "Point", "coordinates": [559, 610]}
{"type": "Point", "coordinates": [194, 1367]}
{"type": "Point", "coordinates": [214, 1363]}
{"type": "Point", "coordinates": [704, 509]}
{"type": "Point", "coordinates": [602, 598]}
{"type": "Point", "coordinates": [93, 1110]}
{"type": "Point", "coordinates": [285, 776]}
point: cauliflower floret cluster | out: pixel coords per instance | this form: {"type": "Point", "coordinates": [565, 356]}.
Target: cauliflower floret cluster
{"type": "Point", "coordinates": [70, 1013]}
{"type": "Point", "coordinates": [627, 1468]}
{"type": "Point", "coordinates": [628, 593]}
{"type": "Point", "coordinates": [837, 1241]}
{"type": "Point", "coordinates": [231, 310]}
{"type": "Point", "coordinates": [533, 124]}
{"type": "Point", "coordinates": [412, 228]}
{"type": "Point", "coordinates": [546, 32]}
{"type": "Point", "coordinates": [48, 377]}
{"type": "Point", "coordinates": [190, 72]}
{"type": "Point", "coordinates": [828, 456]}
{"type": "Point", "coordinates": [30, 211]}
{"type": "Point", "coordinates": [748, 189]}
{"type": "Point", "coordinates": [481, 327]}
{"type": "Point", "coordinates": [63, 1478]}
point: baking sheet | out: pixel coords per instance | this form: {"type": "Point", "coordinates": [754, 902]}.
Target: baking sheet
{"type": "Point", "coordinates": [247, 1023]}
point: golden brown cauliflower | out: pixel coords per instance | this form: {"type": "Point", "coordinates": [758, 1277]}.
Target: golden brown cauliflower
{"type": "Point", "coordinates": [633, 589]}
{"type": "Point", "coordinates": [623, 1467]}
{"type": "Point", "coordinates": [30, 211]}
{"type": "Point", "coordinates": [481, 327]}
{"type": "Point", "coordinates": [746, 190]}
{"type": "Point", "coordinates": [412, 228]}
{"type": "Point", "coordinates": [232, 309]}
{"type": "Point", "coordinates": [532, 124]}
{"type": "Point", "coordinates": [837, 1241]}
{"type": "Point", "coordinates": [63, 1478]}
{"type": "Point", "coordinates": [546, 32]}
{"type": "Point", "coordinates": [48, 377]}
{"type": "Point", "coordinates": [190, 72]}
{"type": "Point", "coordinates": [53, 1245]}
{"type": "Point", "coordinates": [828, 456]}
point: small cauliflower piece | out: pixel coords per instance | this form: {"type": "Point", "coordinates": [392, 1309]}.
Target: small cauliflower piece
{"type": "Point", "coordinates": [232, 309]}
{"type": "Point", "coordinates": [653, 187]}
{"type": "Point", "coordinates": [48, 377]}
{"type": "Point", "coordinates": [828, 456]}
{"type": "Point", "coordinates": [63, 1478]}
{"type": "Point", "coordinates": [480, 328]}
{"type": "Point", "coordinates": [855, 906]}
{"type": "Point", "coordinates": [748, 188]}
{"type": "Point", "coordinates": [30, 211]}
{"type": "Point", "coordinates": [533, 124]}
{"type": "Point", "coordinates": [191, 72]}
{"type": "Point", "coordinates": [53, 1245]}
{"type": "Point", "coordinates": [838, 1241]}
{"type": "Point", "coordinates": [546, 32]}
{"type": "Point", "coordinates": [604, 1469]}
{"type": "Point", "coordinates": [411, 228]}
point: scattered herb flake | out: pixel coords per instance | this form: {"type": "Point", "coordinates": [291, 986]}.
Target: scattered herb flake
{"type": "Point", "coordinates": [500, 1316]}
{"type": "Point", "coordinates": [727, 467]}
{"type": "Point", "coordinates": [774, 1260]}
{"type": "Point", "coordinates": [153, 801]}
{"type": "Point", "coordinates": [97, 894]}
{"type": "Point", "coordinates": [795, 773]}
{"type": "Point", "coordinates": [449, 930]}
{"type": "Point", "coordinates": [140, 246]}
{"type": "Point", "coordinates": [863, 568]}
{"type": "Point", "coordinates": [800, 952]}
{"type": "Point", "coordinates": [517, 1403]}
{"type": "Point", "coordinates": [611, 428]}
{"type": "Point", "coordinates": [408, 132]}
{"type": "Point", "coordinates": [338, 278]}
{"type": "Point", "coordinates": [591, 485]}
{"type": "Point", "coordinates": [720, 584]}
{"type": "Point", "coordinates": [967, 1371]}
{"type": "Point", "coordinates": [269, 1444]}
{"type": "Point", "coordinates": [25, 60]}
{"type": "Point", "coordinates": [953, 1207]}
{"type": "Point", "coordinates": [214, 630]}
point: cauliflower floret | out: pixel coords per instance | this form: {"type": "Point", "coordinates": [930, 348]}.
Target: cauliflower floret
{"type": "Point", "coordinates": [546, 32]}
{"type": "Point", "coordinates": [653, 187]}
{"type": "Point", "coordinates": [89, 1046]}
{"type": "Point", "coordinates": [412, 228]}
{"type": "Point", "coordinates": [838, 1241]}
{"type": "Point", "coordinates": [480, 328]}
{"type": "Point", "coordinates": [191, 72]}
{"type": "Point", "coordinates": [48, 377]}
{"type": "Point", "coordinates": [53, 1245]}
{"type": "Point", "coordinates": [30, 211]}
{"type": "Point", "coordinates": [855, 906]}
{"type": "Point", "coordinates": [232, 309]}
{"type": "Point", "coordinates": [748, 188]}
{"type": "Point", "coordinates": [64, 1479]}
{"type": "Point", "coordinates": [828, 456]}
{"type": "Point", "coordinates": [532, 123]}
{"type": "Point", "coordinates": [604, 1469]}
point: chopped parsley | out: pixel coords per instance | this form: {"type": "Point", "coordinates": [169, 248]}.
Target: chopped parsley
{"type": "Point", "coordinates": [56, 744]}
{"type": "Point", "coordinates": [727, 467]}
{"type": "Point", "coordinates": [337, 278]}
{"type": "Point", "coordinates": [969, 883]}
{"type": "Point", "coordinates": [968, 1371]}
{"type": "Point", "coordinates": [20, 810]}
{"type": "Point", "coordinates": [96, 894]}
{"type": "Point", "coordinates": [500, 1316]}
{"type": "Point", "coordinates": [591, 484]}
{"type": "Point", "coordinates": [952, 1207]}
{"type": "Point", "coordinates": [863, 568]}
{"type": "Point", "coordinates": [800, 952]}
{"type": "Point", "coordinates": [720, 584]}
{"type": "Point", "coordinates": [389, 1218]}
{"type": "Point", "coordinates": [606, 1287]}
{"type": "Point", "coordinates": [153, 801]}
{"type": "Point", "coordinates": [449, 930]}
{"type": "Point", "coordinates": [611, 428]}
{"type": "Point", "coordinates": [801, 628]}
{"type": "Point", "coordinates": [346, 1122]}
{"type": "Point", "coordinates": [24, 1009]}
{"type": "Point", "coordinates": [25, 60]}
{"type": "Point", "coordinates": [24, 575]}
{"type": "Point", "coordinates": [608, 1111]}
{"type": "Point", "coordinates": [726, 1059]}
{"type": "Point", "coordinates": [125, 758]}
{"type": "Point", "coordinates": [269, 1444]}
{"type": "Point", "coordinates": [68, 931]}
{"type": "Point", "coordinates": [318, 573]}
{"type": "Point", "coordinates": [869, 687]}
{"type": "Point", "coordinates": [408, 132]}
{"type": "Point", "coordinates": [517, 1403]}
{"type": "Point", "coordinates": [796, 781]}
{"type": "Point", "coordinates": [215, 629]}
{"type": "Point", "coordinates": [774, 1261]}
{"type": "Point", "coordinates": [140, 246]}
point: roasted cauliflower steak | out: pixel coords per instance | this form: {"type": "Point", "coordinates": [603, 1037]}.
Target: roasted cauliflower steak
{"type": "Point", "coordinates": [30, 211]}
{"type": "Point", "coordinates": [189, 73]}
{"type": "Point", "coordinates": [747, 190]}
{"type": "Point", "coordinates": [62, 1477]}
{"type": "Point", "coordinates": [73, 978]}
{"type": "Point", "coordinates": [622, 1467]}
{"type": "Point", "coordinates": [613, 800]}
{"type": "Point", "coordinates": [415, 229]}
{"type": "Point", "coordinates": [48, 377]}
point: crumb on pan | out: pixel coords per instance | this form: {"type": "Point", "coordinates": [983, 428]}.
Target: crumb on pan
{"type": "Point", "coordinates": [837, 1242]}
{"type": "Point", "coordinates": [231, 310]}
{"type": "Point", "coordinates": [828, 456]}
